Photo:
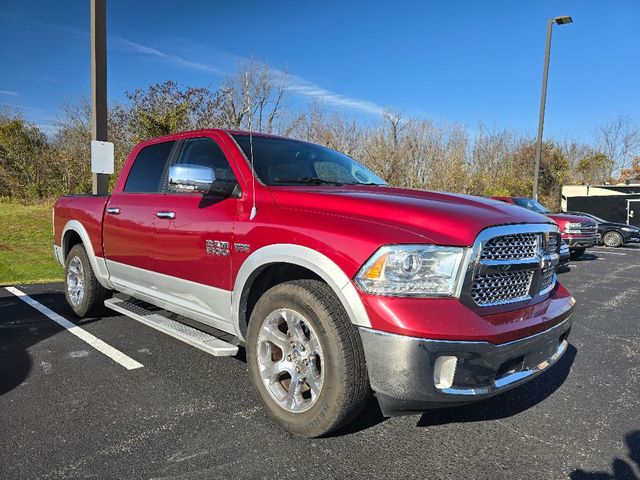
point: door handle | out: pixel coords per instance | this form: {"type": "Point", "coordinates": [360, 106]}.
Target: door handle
{"type": "Point", "coordinates": [113, 210]}
{"type": "Point", "coordinates": [169, 215]}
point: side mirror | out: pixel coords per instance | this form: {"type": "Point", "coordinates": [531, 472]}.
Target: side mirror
{"type": "Point", "coordinates": [187, 178]}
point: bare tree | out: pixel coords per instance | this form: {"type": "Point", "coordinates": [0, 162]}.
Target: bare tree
{"type": "Point", "coordinates": [405, 151]}
{"type": "Point", "coordinates": [494, 167]}
{"type": "Point", "coordinates": [254, 89]}
{"type": "Point", "coordinates": [619, 141]}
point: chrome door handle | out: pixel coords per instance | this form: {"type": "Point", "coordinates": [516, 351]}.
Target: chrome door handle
{"type": "Point", "coordinates": [169, 215]}
{"type": "Point", "coordinates": [113, 210]}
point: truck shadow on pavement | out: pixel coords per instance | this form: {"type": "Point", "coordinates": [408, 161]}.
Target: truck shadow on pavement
{"type": "Point", "coordinates": [509, 403]}
{"type": "Point", "coordinates": [21, 327]}
{"type": "Point", "coordinates": [586, 257]}
{"type": "Point", "coordinates": [622, 469]}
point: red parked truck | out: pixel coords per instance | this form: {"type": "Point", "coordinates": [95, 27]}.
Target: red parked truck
{"type": "Point", "coordinates": [337, 284]}
{"type": "Point", "coordinates": [578, 232]}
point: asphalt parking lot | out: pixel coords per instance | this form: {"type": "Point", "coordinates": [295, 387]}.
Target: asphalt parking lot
{"type": "Point", "coordinates": [69, 411]}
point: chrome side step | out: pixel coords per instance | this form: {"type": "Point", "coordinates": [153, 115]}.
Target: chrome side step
{"type": "Point", "coordinates": [138, 311]}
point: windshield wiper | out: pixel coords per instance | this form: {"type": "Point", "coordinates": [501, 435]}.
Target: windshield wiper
{"type": "Point", "coordinates": [368, 184]}
{"type": "Point", "coordinates": [307, 181]}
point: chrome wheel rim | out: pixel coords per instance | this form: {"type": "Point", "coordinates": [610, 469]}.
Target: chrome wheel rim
{"type": "Point", "coordinates": [290, 360]}
{"type": "Point", "coordinates": [75, 281]}
{"type": "Point", "coordinates": [611, 240]}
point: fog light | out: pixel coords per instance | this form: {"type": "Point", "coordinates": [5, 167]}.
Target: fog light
{"type": "Point", "coordinates": [444, 370]}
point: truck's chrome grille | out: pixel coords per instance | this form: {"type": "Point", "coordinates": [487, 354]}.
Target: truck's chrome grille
{"type": "Point", "coordinates": [548, 279]}
{"type": "Point", "coordinates": [553, 243]}
{"type": "Point", "coordinates": [512, 264]}
{"type": "Point", "coordinates": [501, 288]}
{"type": "Point", "coordinates": [511, 247]}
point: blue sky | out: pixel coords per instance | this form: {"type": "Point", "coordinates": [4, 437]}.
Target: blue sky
{"type": "Point", "coordinates": [458, 61]}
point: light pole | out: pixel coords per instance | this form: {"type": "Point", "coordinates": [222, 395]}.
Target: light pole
{"type": "Point", "coordinates": [100, 185]}
{"type": "Point", "coordinates": [543, 97]}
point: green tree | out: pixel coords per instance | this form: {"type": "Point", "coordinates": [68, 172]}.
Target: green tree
{"type": "Point", "coordinates": [166, 108]}
{"type": "Point", "coordinates": [26, 170]}
{"type": "Point", "coordinates": [554, 172]}
{"type": "Point", "coordinates": [593, 168]}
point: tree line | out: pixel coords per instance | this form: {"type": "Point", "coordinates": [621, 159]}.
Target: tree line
{"type": "Point", "coordinates": [405, 151]}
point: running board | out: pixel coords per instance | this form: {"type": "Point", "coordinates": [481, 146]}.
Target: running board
{"type": "Point", "coordinates": [137, 310]}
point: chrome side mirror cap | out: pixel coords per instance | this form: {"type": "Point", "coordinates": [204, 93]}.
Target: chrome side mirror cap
{"type": "Point", "coordinates": [187, 178]}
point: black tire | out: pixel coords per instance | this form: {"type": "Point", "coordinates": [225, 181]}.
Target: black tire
{"type": "Point", "coordinates": [613, 239]}
{"type": "Point", "coordinates": [92, 302]}
{"type": "Point", "coordinates": [576, 253]}
{"type": "Point", "coordinates": [345, 390]}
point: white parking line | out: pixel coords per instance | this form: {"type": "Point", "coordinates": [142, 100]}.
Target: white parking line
{"type": "Point", "coordinates": [114, 354]}
{"type": "Point", "coordinates": [626, 249]}
{"type": "Point", "coordinates": [605, 252]}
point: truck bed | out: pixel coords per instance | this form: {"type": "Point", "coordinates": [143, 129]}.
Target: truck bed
{"type": "Point", "coordinates": [86, 209]}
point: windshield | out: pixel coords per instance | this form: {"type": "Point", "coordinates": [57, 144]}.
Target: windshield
{"type": "Point", "coordinates": [530, 204]}
{"type": "Point", "coordinates": [279, 161]}
{"type": "Point", "coordinates": [597, 219]}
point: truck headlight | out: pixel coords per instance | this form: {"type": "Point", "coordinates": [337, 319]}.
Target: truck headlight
{"type": "Point", "coordinates": [412, 270]}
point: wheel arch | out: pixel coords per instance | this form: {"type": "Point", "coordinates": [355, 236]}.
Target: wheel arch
{"type": "Point", "coordinates": [74, 233]}
{"type": "Point", "coordinates": [301, 262]}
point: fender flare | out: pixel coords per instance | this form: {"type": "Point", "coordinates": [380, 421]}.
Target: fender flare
{"type": "Point", "coordinates": [98, 264]}
{"type": "Point", "coordinates": [305, 257]}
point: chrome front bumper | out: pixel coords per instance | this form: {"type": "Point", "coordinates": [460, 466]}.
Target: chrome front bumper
{"type": "Point", "coordinates": [582, 242]}
{"type": "Point", "coordinates": [401, 369]}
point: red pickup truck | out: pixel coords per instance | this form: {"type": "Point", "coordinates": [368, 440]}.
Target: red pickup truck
{"type": "Point", "coordinates": [578, 232]}
{"type": "Point", "coordinates": [337, 284]}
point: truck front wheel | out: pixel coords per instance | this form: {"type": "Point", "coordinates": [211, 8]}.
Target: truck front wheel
{"type": "Point", "coordinates": [305, 358]}
{"type": "Point", "coordinates": [83, 292]}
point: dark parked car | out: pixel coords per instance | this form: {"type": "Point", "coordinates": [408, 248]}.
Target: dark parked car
{"type": "Point", "coordinates": [613, 234]}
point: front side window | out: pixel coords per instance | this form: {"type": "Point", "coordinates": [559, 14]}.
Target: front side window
{"type": "Point", "coordinates": [531, 204]}
{"type": "Point", "coordinates": [279, 161]}
{"type": "Point", "coordinates": [147, 171]}
{"type": "Point", "coordinates": [205, 152]}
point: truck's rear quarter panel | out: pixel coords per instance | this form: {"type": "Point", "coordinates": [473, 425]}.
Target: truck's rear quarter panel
{"type": "Point", "coordinates": [86, 209]}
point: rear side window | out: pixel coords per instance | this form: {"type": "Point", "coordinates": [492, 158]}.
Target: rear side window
{"type": "Point", "coordinates": [146, 175]}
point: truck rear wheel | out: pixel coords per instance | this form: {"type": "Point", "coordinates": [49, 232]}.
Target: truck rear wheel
{"type": "Point", "coordinates": [305, 358]}
{"type": "Point", "coordinates": [83, 292]}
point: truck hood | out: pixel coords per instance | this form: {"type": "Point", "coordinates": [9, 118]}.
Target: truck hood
{"type": "Point", "coordinates": [562, 218]}
{"type": "Point", "coordinates": [441, 218]}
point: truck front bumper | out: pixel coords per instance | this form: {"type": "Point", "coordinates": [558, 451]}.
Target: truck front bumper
{"type": "Point", "coordinates": [581, 241]}
{"type": "Point", "coordinates": [407, 377]}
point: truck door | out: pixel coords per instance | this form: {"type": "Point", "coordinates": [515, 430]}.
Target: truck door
{"type": "Point", "coordinates": [193, 238]}
{"type": "Point", "coordinates": [130, 218]}
{"type": "Point", "coordinates": [633, 212]}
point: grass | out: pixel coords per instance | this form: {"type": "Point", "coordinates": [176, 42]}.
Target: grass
{"type": "Point", "coordinates": [26, 244]}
